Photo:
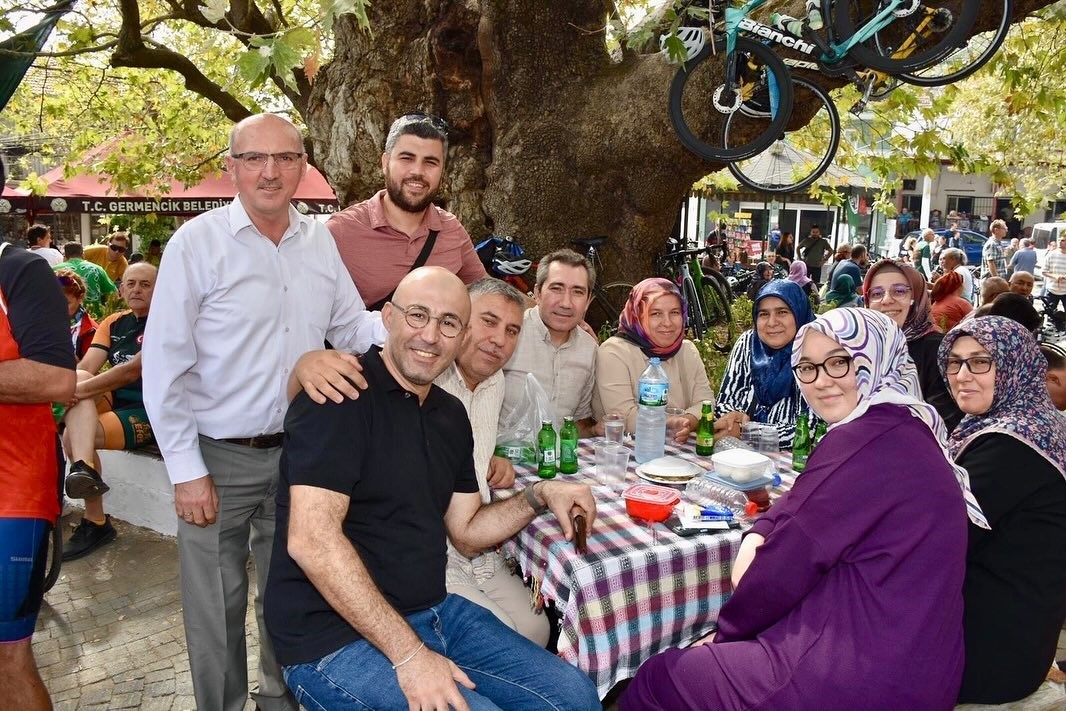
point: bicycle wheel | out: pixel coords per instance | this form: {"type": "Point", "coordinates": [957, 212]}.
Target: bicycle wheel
{"type": "Point", "coordinates": [802, 154]}
{"type": "Point", "coordinates": [908, 43]}
{"type": "Point", "coordinates": [606, 305]}
{"type": "Point", "coordinates": [696, 324]}
{"type": "Point", "coordinates": [964, 61]}
{"type": "Point", "coordinates": [698, 101]}
{"type": "Point", "coordinates": [718, 316]}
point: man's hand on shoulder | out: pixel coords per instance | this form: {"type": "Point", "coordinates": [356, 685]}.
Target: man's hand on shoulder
{"type": "Point", "coordinates": [196, 501]}
{"type": "Point", "coordinates": [501, 473]}
{"type": "Point", "coordinates": [327, 374]}
{"type": "Point", "coordinates": [428, 681]}
{"type": "Point", "coordinates": [567, 500]}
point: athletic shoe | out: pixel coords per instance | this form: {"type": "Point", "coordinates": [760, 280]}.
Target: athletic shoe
{"type": "Point", "coordinates": [87, 537]}
{"type": "Point", "coordinates": [84, 482]}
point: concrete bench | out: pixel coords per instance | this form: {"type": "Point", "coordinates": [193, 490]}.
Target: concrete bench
{"type": "Point", "coordinates": [141, 492]}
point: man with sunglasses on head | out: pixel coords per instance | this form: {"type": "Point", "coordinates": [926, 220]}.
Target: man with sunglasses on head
{"type": "Point", "coordinates": [112, 256]}
{"type": "Point", "coordinates": [399, 229]}
{"type": "Point", "coordinates": [249, 288]}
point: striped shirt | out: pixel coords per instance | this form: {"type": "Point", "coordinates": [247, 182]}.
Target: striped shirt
{"type": "Point", "coordinates": [738, 394]}
{"type": "Point", "coordinates": [993, 252]}
{"type": "Point", "coordinates": [1055, 263]}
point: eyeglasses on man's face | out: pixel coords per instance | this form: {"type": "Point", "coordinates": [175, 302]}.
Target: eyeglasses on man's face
{"type": "Point", "coordinates": [256, 161]}
{"type": "Point", "coordinates": [977, 365]}
{"type": "Point", "coordinates": [834, 366]}
{"type": "Point", "coordinates": [418, 317]}
{"type": "Point", "coordinates": [895, 292]}
{"type": "Point", "coordinates": [117, 248]}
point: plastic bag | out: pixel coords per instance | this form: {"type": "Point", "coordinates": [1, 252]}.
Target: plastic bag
{"type": "Point", "coordinates": [516, 437]}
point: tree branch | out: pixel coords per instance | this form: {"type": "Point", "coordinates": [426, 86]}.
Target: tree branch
{"type": "Point", "coordinates": [132, 52]}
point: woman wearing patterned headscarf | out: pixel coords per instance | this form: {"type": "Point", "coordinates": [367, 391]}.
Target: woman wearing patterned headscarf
{"type": "Point", "coordinates": [852, 558]}
{"type": "Point", "coordinates": [899, 291]}
{"type": "Point", "coordinates": [1013, 443]}
{"type": "Point", "coordinates": [757, 384]}
{"type": "Point", "coordinates": [652, 324]}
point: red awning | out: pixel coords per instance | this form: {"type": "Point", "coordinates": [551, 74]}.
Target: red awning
{"type": "Point", "coordinates": [93, 194]}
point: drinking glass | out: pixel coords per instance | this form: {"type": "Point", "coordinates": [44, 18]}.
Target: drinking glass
{"type": "Point", "coordinates": [750, 434]}
{"type": "Point", "coordinates": [614, 426]}
{"type": "Point", "coordinates": [769, 442]}
{"type": "Point", "coordinates": [672, 412]}
{"type": "Point", "coordinates": [612, 460]}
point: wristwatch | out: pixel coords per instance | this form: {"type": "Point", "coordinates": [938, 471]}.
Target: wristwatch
{"type": "Point", "coordinates": [531, 499]}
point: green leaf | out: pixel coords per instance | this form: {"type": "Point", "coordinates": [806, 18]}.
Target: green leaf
{"type": "Point", "coordinates": [253, 65]}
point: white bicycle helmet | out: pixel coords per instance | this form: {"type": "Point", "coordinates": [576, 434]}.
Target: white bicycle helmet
{"type": "Point", "coordinates": [513, 267]}
{"type": "Point", "coordinates": [693, 38]}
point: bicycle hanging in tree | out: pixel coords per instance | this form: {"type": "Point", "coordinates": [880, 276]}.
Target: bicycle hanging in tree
{"type": "Point", "coordinates": [920, 42]}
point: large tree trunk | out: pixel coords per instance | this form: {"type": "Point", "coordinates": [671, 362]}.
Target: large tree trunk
{"type": "Point", "coordinates": [550, 140]}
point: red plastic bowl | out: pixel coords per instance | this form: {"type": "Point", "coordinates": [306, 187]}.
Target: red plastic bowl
{"type": "Point", "coordinates": [650, 502]}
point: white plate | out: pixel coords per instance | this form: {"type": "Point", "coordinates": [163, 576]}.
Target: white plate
{"type": "Point", "coordinates": [656, 479]}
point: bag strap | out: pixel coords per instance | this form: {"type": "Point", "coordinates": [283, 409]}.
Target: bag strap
{"type": "Point", "coordinates": [420, 261]}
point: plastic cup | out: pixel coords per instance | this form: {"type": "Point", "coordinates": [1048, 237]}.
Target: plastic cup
{"type": "Point", "coordinates": [769, 442]}
{"type": "Point", "coordinates": [672, 412]}
{"type": "Point", "coordinates": [612, 460]}
{"type": "Point", "coordinates": [750, 434]}
{"type": "Point", "coordinates": [614, 427]}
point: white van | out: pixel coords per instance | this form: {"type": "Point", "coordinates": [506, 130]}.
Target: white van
{"type": "Point", "coordinates": [1046, 234]}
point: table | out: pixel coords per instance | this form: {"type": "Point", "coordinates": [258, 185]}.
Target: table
{"type": "Point", "coordinates": [639, 589]}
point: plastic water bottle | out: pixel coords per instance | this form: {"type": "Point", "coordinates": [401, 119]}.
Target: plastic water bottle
{"type": "Point", "coordinates": [652, 391]}
{"type": "Point", "coordinates": [702, 490]}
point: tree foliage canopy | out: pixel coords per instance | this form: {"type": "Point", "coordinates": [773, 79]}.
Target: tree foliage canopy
{"type": "Point", "coordinates": [534, 91]}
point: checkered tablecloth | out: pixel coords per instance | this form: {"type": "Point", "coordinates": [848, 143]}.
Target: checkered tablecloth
{"type": "Point", "coordinates": [638, 590]}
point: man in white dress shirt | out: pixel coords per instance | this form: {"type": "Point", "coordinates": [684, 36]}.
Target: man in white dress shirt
{"type": "Point", "coordinates": [246, 290]}
{"type": "Point", "coordinates": [475, 378]}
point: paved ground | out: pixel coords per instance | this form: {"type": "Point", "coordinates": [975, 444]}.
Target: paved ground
{"type": "Point", "coordinates": [110, 634]}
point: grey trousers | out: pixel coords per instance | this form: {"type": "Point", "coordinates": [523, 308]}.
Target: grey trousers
{"type": "Point", "coordinates": [214, 580]}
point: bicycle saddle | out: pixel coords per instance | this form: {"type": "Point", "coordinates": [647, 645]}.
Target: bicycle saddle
{"type": "Point", "coordinates": [589, 241]}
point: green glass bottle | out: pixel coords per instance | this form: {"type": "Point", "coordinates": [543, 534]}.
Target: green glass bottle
{"type": "Point", "coordinates": [801, 443]}
{"type": "Point", "coordinates": [819, 432]}
{"type": "Point", "coordinates": [546, 450]}
{"type": "Point", "coordinates": [705, 430]}
{"type": "Point", "coordinates": [568, 447]}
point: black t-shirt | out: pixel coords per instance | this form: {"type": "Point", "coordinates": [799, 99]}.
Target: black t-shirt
{"type": "Point", "coordinates": [1015, 573]}
{"type": "Point", "coordinates": [400, 464]}
{"type": "Point", "coordinates": [923, 352]}
{"type": "Point", "coordinates": [36, 308]}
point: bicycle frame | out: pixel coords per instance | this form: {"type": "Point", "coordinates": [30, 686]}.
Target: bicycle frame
{"type": "Point", "coordinates": [736, 20]}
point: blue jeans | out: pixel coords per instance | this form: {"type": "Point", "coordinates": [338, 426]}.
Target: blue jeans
{"type": "Point", "coordinates": [509, 671]}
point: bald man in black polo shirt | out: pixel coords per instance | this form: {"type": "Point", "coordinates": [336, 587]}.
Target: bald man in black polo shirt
{"type": "Point", "coordinates": [356, 603]}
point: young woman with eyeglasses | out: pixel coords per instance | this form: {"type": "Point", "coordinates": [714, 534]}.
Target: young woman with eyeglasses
{"type": "Point", "coordinates": [899, 291]}
{"type": "Point", "coordinates": [847, 592]}
{"type": "Point", "coordinates": [1013, 444]}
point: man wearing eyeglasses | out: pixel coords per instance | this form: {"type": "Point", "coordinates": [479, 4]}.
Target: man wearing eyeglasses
{"type": "Point", "coordinates": [370, 490]}
{"type": "Point", "coordinates": [399, 228]}
{"type": "Point", "coordinates": [248, 288]}
{"type": "Point", "coordinates": [112, 256]}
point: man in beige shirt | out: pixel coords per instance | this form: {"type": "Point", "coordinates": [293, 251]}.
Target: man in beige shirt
{"type": "Point", "coordinates": [477, 381]}
{"type": "Point", "coordinates": [111, 256]}
{"type": "Point", "coordinates": [553, 347]}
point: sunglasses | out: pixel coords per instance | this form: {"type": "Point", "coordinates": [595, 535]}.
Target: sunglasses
{"type": "Point", "coordinates": [422, 117]}
{"type": "Point", "coordinates": [66, 281]}
{"type": "Point", "coordinates": [117, 248]}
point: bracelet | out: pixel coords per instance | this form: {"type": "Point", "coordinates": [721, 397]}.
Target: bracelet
{"type": "Point", "coordinates": [531, 499]}
{"type": "Point", "coordinates": [409, 656]}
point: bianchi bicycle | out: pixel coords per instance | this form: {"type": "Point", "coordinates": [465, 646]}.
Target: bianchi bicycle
{"type": "Point", "coordinates": [706, 301]}
{"type": "Point", "coordinates": [874, 43]}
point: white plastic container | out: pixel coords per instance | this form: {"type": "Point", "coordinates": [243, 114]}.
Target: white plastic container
{"type": "Point", "coordinates": [740, 465]}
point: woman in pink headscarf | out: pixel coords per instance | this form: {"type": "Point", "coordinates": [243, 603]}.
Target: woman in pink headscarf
{"type": "Point", "coordinates": [797, 274]}
{"type": "Point", "coordinates": [652, 324]}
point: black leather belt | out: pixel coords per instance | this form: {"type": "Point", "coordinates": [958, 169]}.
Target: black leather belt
{"type": "Point", "coordinates": [259, 441]}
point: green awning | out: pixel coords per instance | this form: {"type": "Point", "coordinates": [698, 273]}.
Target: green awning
{"type": "Point", "coordinates": [27, 43]}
